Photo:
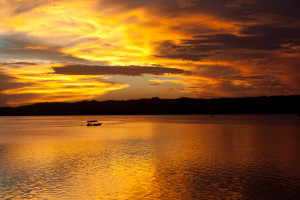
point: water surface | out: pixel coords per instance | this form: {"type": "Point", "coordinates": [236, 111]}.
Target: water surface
{"type": "Point", "coordinates": [150, 157]}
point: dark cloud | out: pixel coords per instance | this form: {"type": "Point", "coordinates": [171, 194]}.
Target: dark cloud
{"type": "Point", "coordinates": [236, 10]}
{"type": "Point", "coordinates": [126, 5]}
{"type": "Point", "coordinates": [288, 67]}
{"type": "Point", "coordinates": [218, 71]}
{"type": "Point", "coordinates": [8, 82]}
{"type": "Point", "coordinates": [23, 63]}
{"type": "Point", "coordinates": [116, 70]}
{"type": "Point", "coordinates": [230, 41]}
{"type": "Point", "coordinates": [191, 28]}
{"type": "Point", "coordinates": [155, 84]}
{"type": "Point", "coordinates": [3, 100]}
{"type": "Point", "coordinates": [181, 56]}
{"type": "Point", "coordinates": [168, 49]}
{"type": "Point", "coordinates": [278, 77]}
{"type": "Point", "coordinates": [246, 10]}
{"type": "Point", "coordinates": [232, 82]}
{"type": "Point", "coordinates": [288, 8]}
{"type": "Point", "coordinates": [19, 7]}
{"type": "Point", "coordinates": [24, 47]}
{"type": "Point", "coordinates": [266, 38]}
{"type": "Point", "coordinates": [19, 63]}
{"type": "Point", "coordinates": [284, 32]}
{"type": "Point", "coordinates": [229, 88]}
{"type": "Point", "coordinates": [16, 99]}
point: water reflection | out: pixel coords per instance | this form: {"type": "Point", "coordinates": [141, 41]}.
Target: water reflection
{"type": "Point", "coordinates": [134, 158]}
{"type": "Point", "coordinates": [99, 169]}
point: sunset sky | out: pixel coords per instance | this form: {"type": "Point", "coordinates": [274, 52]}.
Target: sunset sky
{"type": "Point", "coordinates": [73, 50]}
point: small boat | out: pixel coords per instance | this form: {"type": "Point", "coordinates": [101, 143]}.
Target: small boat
{"type": "Point", "coordinates": [93, 123]}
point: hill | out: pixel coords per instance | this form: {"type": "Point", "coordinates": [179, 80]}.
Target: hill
{"type": "Point", "coordinates": [245, 105]}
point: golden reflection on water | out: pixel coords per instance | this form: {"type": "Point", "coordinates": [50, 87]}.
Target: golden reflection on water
{"type": "Point", "coordinates": [156, 157]}
{"type": "Point", "coordinates": [76, 169]}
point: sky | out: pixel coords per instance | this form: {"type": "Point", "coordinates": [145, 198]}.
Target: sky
{"type": "Point", "coordinates": [74, 50]}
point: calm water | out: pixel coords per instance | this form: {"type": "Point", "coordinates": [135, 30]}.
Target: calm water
{"type": "Point", "coordinates": [150, 157]}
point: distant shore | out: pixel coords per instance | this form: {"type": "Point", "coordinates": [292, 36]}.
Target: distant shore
{"type": "Point", "coordinates": [157, 106]}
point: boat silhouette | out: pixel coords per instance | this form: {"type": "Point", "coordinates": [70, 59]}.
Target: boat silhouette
{"type": "Point", "coordinates": [93, 123]}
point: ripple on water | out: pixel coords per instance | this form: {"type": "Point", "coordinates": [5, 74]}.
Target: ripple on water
{"type": "Point", "coordinates": [152, 159]}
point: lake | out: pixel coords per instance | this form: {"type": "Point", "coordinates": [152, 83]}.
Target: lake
{"type": "Point", "coordinates": [150, 157]}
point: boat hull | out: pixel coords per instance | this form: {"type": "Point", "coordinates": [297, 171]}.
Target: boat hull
{"type": "Point", "coordinates": [99, 124]}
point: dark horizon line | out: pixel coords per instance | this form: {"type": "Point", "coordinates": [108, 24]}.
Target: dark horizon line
{"type": "Point", "coordinates": [122, 100]}
{"type": "Point", "coordinates": [156, 106]}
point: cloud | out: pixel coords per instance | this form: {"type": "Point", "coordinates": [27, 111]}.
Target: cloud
{"type": "Point", "coordinates": [8, 82]}
{"type": "Point", "coordinates": [186, 3]}
{"type": "Point", "coordinates": [19, 63]}
{"type": "Point", "coordinates": [238, 88]}
{"type": "Point", "coordinates": [230, 41]}
{"type": "Point", "coordinates": [265, 38]}
{"type": "Point", "coordinates": [168, 49]}
{"type": "Point", "coordinates": [218, 71]}
{"type": "Point", "coordinates": [52, 87]}
{"type": "Point", "coordinates": [18, 7]}
{"type": "Point", "coordinates": [232, 10]}
{"type": "Point", "coordinates": [182, 56]}
{"type": "Point", "coordinates": [116, 70]}
{"type": "Point", "coordinates": [22, 46]}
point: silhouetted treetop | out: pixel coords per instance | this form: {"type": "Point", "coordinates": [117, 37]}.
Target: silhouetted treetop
{"type": "Point", "coordinates": [155, 105]}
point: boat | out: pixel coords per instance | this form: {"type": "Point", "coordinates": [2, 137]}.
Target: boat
{"type": "Point", "coordinates": [93, 123]}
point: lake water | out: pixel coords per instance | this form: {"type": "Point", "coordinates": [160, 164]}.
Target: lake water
{"type": "Point", "coordinates": [150, 157]}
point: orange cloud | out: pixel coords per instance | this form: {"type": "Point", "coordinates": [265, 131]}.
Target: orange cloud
{"type": "Point", "coordinates": [36, 47]}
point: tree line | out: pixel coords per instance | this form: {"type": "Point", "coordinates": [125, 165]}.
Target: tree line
{"type": "Point", "coordinates": [157, 106]}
